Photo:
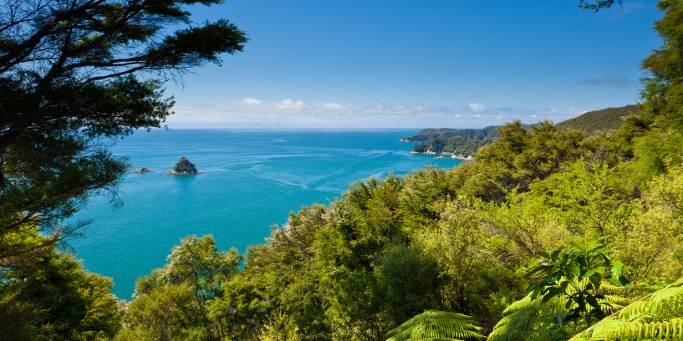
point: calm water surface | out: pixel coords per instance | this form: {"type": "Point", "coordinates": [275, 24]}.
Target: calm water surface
{"type": "Point", "coordinates": [251, 181]}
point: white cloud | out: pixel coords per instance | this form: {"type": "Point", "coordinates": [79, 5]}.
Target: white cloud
{"type": "Point", "coordinates": [289, 104]}
{"type": "Point", "coordinates": [332, 106]}
{"type": "Point", "coordinates": [251, 101]}
{"type": "Point", "coordinates": [476, 107]}
{"type": "Point", "coordinates": [288, 112]}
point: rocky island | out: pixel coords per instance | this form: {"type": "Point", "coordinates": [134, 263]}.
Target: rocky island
{"type": "Point", "coordinates": [183, 167]}
{"type": "Point", "coordinates": [142, 170]}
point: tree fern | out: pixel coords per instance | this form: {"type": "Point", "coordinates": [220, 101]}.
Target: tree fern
{"type": "Point", "coordinates": [533, 319]}
{"type": "Point", "coordinates": [530, 319]}
{"type": "Point", "coordinates": [613, 299]}
{"type": "Point", "coordinates": [657, 316]}
{"type": "Point", "coordinates": [436, 325]}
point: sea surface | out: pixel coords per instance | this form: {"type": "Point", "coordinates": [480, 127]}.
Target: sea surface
{"type": "Point", "coordinates": [250, 181]}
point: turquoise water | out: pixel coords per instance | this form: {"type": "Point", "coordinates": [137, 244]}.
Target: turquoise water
{"type": "Point", "coordinates": [251, 180]}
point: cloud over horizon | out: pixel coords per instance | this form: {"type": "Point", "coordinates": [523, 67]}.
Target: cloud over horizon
{"type": "Point", "coordinates": [252, 112]}
{"type": "Point", "coordinates": [476, 107]}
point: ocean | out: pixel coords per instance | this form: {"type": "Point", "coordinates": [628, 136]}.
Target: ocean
{"type": "Point", "coordinates": [250, 181]}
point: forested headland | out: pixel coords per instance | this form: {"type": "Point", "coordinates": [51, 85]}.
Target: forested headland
{"type": "Point", "coordinates": [464, 143]}
{"type": "Point", "coordinates": [460, 142]}
{"type": "Point", "coordinates": [551, 233]}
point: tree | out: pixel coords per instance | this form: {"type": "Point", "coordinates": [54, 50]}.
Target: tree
{"type": "Point", "coordinates": [168, 314]}
{"type": "Point", "coordinates": [55, 299]}
{"type": "Point", "coordinates": [475, 265]}
{"type": "Point", "coordinates": [408, 282]}
{"type": "Point", "coordinates": [73, 72]}
{"type": "Point", "coordinates": [657, 134]}
{"type": "Point", "coordinates": [650, 241]}
{"type": "Point", "coordinates": [592, 196]}
{"type": "Point", "coordinates": [518, 157]}
{"type": "Point", "coordinates": [178, 296]}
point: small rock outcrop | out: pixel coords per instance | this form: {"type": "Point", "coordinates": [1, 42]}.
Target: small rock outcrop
{"type": "Point", "coordinates": [142, 170]}
{"type": "Point", "coordinates": [184, 167]}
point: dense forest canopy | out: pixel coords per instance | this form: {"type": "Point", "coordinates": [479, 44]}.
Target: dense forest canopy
{"type": "Point", "coordinates": [550, 233]}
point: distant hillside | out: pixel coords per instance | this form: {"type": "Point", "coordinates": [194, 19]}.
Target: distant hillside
{"type": "Point", "coordinates": [464, 143]}
{"type": "Point", "coordinates": [461, 143]}
{"type": "Point", "coordinates": [486, 133]}
{"type": "Point", "coordinates": [605, 119]}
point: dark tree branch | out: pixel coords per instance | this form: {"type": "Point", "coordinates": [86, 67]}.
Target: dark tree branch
{"type": "Point", "coordinates": [71, 72]}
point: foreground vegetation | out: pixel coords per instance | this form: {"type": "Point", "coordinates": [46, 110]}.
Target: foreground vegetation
{"type": "Point", "coordinates": [461, 240]}
{"type": "Point", "coordinates": [551, 233]}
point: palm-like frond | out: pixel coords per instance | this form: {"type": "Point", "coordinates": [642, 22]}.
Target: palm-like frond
{"type": "Point", "coordinates": [532, 319]}
{"type": "Point", "coordinates": [437, 325]}
{"type": "Point", "coordinates": [528, 319]}
{"type": "Point", "coordinates": [657, 316]}
{"type": "Point", "coordinates": [613, 300]}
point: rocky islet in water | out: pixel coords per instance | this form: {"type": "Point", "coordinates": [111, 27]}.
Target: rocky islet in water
{"type": "Point", "coordinates": [183, 167]}
{"type": "Point", "coordinates": [142, 170]}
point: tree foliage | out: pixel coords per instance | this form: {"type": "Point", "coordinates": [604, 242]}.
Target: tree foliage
{"type": "Point", "coordinates": [55, 299]}
{"type": "Point", "coordinates": [657, 316]}
{"type": "Point", "coordinates": [174, 302]}
{"type": "Point", "coordinates": [73, 72]}
{"type": "Point", "coordinates": [72, 75]}
{"type": "Point", "coordinates": [576, 276]}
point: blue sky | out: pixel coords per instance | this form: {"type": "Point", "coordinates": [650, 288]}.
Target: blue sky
{"type": "Point", "coordinates": [417, 63]}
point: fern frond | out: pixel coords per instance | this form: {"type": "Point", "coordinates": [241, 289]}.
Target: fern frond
{"type": "Point", "coordinates": [669, 330]}
{"type": "Point", "coordinates": [437, 325]}
{"type": "Point", "coordinates": [657, 316]}
{"type": "Point", "coordinates": [528, 319]}
{"type": "Point", "coordinates": [610, 304]}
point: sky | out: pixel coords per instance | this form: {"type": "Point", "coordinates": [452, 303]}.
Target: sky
{"type": "Point", "coordinates": [416, 63]}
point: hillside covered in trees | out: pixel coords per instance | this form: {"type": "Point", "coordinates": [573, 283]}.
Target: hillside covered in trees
{"type": "Point", "coordinates": [604, 119]}
{"type": "Point", "coordinates": [551, 233]}
{"type": "Point", "coordinates": [466, 142]}
{"type": "Point", "coordinates": [459, 142]}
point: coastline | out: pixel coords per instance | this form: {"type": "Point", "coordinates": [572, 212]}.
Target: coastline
{"type": "Point", "coordinates": [172, 172]}
{"type": "Point", "coordinates": [444, 155]}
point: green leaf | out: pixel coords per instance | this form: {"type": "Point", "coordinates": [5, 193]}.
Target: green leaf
{"type": "Point", "coordinates": [574, 269]}
{"type": "Point", "coordinates": [598, 269]}
{"type": "Point", "coordinates": [616, 273]}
